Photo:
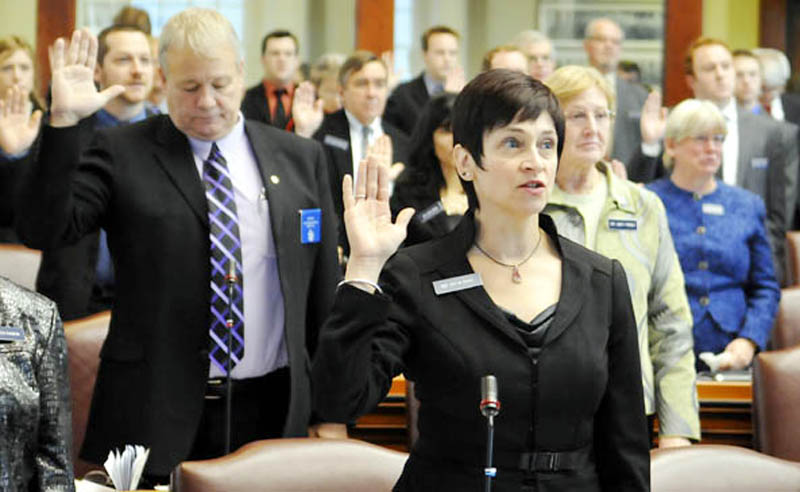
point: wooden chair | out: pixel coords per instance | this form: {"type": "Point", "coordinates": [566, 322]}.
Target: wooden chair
{"type": "Point", "coordinates": [84, 339]}
{"type": "Point", "coordinates": [720, 467]}
{"type": "Point", "coordinates": [786, 332]}
{"type": "Point", "coordinates": [20, 264]}
{"type": "Point", "coordinates": [296, 465]}
{"type": "Point", "coordinates": [776, 399]}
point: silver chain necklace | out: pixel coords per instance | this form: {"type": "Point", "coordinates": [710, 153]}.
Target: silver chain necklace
{"type": "Point", "coordinates": [516, 277]}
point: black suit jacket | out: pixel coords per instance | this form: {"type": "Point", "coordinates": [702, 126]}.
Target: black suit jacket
{"type": "Point", "coordinates": [66, 274]}
{"type": "Point", "coordinates": [405, 104]}
{"type": "Point", "coordinates": [334, 134]}
{"type": "Point", "coordinates": [140, 183]}
{"type": "Point", "coordinates": [255, 107]}
{"type": "Point", "coordinates": [584, 391]}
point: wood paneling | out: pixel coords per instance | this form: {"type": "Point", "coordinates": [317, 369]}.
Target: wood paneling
{"type": "Point", "coordinates": [375, 25]}
{"type": "Point", "coordinates": [54, 18]}
{"type": "Point", "coordinates": [683, 23]}
{"type": "Point", "coordinates": [772, 24]}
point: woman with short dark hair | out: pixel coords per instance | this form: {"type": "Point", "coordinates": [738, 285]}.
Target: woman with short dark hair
{"type": "Point", "coordinates": [502, 294]}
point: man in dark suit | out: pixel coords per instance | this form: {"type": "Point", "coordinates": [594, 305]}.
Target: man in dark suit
{"type": "Point", "coordinates": [80, 277]}
{"type": "Point", "coordinates": [270, 101]}
{"type": "Point", "coordinates": [782, 106]}
{"type": "Point", "coordinates": [188, 199]}
{"type": "Point", "coordinates": [349, 133]}
{"type": "Point", "coordinates": [603, 45]}
{"type": "Point", "coordinates": [442, 73]}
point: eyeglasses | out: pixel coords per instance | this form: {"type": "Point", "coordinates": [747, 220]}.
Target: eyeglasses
{"type": "Point", "coordinates": [716, 139]}
{"type": "Point", "coordinates": [582, 117]}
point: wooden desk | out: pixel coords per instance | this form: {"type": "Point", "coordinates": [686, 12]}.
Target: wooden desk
{"type": "Point", "coordinates": [725, 415]}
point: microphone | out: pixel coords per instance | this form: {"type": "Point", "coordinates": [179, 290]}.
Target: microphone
{"type": "Point", "coordinates": [490, 404]}
{"type": "Point", "coordinates": [231, 278]}
{"type": "Point", "coordinates": [490, 407]}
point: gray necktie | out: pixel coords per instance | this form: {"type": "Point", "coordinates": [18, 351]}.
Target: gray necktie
{"type": "Point", "coordinates": [365, 133]}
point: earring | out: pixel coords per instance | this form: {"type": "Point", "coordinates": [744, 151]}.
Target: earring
{"type": "Point", "coordinates": [465, 175]}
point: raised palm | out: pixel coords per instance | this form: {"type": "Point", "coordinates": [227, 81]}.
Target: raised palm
{"type": "Point", "coordinates": [306, 110]}
{"type": "Point", "coordinates": [74, 95]}
{"type": "Point", "coordinates": [372, 235]}
{"type": "Point", "coordinates": [18, 127]}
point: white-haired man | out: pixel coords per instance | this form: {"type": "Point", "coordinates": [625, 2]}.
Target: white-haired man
{"type": "Point", "coordinates": [188, 199]}
{"type": "Point", "coordinates": [540, 52]}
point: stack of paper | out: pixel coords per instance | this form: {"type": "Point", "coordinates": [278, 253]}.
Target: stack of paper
{"type": "Point", "coordinates": [125, 469]}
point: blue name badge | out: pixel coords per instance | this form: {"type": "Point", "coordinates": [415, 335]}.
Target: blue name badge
{"type": "Point", "coordinates": [310, 225]}
{"type": "Point", "coordinates": [622, 224]}
{"type": "Point", "coordinates": [11, 334]}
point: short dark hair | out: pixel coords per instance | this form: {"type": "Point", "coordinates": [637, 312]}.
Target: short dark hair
{"type": "Point", "coordinates": [356, 62]}
{"type": "Point", "coordinates": [134, 17]}
{"type": "Point", "coordinates": [494, 99]}
{"type": "Point", "coordinates": [102, 44]}
{"type": "Point", "coordinates": [279, 33]}
{"type": "Point", "coordinates": [746, 53]}
{"type": "Point", "coordinates": [437, 30]}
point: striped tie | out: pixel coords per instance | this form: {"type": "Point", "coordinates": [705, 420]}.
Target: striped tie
{"type": "Point", "coordinates": [225, 248]}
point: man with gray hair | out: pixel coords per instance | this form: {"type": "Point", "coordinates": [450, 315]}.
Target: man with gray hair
{"type": "Point", "coordinates": [603, 45]}
{"type": "Point", "coordinates": [222, 233]}
{"type": "Point", "coordinates": [540, 52]}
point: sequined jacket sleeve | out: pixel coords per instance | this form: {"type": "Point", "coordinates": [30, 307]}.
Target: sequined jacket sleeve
{"type": "Point", "coordinates": [52, 460]}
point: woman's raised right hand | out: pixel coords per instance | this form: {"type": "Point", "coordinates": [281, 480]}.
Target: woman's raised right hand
{"type": "Point", "coordinates": [372, 235]}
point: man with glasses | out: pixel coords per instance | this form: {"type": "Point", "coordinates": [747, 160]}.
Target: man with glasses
{"type": "Point", "coordinates": [540, 52]}
{"type": "Point", "coordinates": [603, 45]}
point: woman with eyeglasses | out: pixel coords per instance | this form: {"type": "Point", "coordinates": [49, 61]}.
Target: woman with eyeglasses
{"type": "Point", "coordinates": [624, 221]}
{"type": "Point", "coordinates": [721, 238]}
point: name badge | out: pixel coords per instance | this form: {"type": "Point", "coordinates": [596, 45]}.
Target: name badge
{"type": "Point", "coordinates": [454, 284]}
{"type": "Point", "coordinates": [310, 225]}
{"type": "Point", "coordinates": [337, 142]}
{"type": "Point", "coordinates": [430, 212]}
{"type": "Point", "coordinates": [11, 334]}
{"type": "Point", "coordinates": [622, 224]}
{"type": "Point", "coordinates": [713, 209]}
{"type": "Point", "coordinates": [759, 162]}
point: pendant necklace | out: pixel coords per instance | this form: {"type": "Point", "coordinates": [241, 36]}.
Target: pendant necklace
{"type": "Point", "coordinates": [516, 277]}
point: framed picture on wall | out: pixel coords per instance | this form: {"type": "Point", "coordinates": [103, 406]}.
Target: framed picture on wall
{"type": "Point", "coordinates": [642, 21]}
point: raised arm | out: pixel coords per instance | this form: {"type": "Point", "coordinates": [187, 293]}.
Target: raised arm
{"type": "Point", "coordinates": [74, 95]}
{"type": "Point", "coordinates": [18, 129]}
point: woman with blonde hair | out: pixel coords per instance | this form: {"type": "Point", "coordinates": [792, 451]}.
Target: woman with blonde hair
{"type": "Point", "coordinates": [721, 238]}
{"type": "Point", "coordinates": [621, 220]}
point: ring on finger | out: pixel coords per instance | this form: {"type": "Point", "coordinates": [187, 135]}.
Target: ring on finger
{"type": "Point", "coordinates": [362, 196]}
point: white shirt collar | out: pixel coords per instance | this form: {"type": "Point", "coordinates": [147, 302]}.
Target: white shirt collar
{"type": "Point", "coordinates": [229, 142]}
{"type": "Point", "coordinates": [729, 111]}
{"type": "Point", "coordinates": [356, 125]}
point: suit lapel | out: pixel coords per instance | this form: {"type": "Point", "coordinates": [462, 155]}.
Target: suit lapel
{"type": "Point", "coordinates": [747, 143]}
{"type": "Point", "coordinates": [456, 245]}
{"type": "Point", "coordinates": [269, 167]}
{"type": "Point", "coordinates": [574, 282]}
{"type": "Point", "coordinates": [176, 158]}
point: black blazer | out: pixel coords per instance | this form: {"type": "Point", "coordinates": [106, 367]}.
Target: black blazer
{"type": "Point", "coordinates": [255, 107]}
{"type": "Point", "coordinates": [584, 392]}
{"type": "Point", "coordinates": [66, 274]}
{"type": "Point", "coordinates": [141, 184]}
{"type": "Point", "coordinates": [334, 134]}
{"type": "Point", "coordinates": [405, 104]}
{"type": "Point", "coordinates": [430, 219]}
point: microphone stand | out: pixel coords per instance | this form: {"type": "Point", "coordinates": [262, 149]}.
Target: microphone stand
{"type": "Point", "coordinates": [489, 470]}
{"type": "Point", "coordinates": [490, 407]}
{"type": "Point", "coordinates": [231, 280]}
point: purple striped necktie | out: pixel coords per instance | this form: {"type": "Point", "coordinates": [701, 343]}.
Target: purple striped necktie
{"type": "Point", "coordinates": [226, 247]}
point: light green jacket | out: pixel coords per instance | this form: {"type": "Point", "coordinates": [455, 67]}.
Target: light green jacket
{"type": "Point", "coordinates": [633, 229]}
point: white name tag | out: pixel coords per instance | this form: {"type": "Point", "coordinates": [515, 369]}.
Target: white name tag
{"type": "Point", "coordinates": [622, 224]}
{"type": "Point", "coordinates": [454, 284]}
{"type": "Point", "coordinates": [713, 209]}
{"type": "Point", "coordinates": [337, 142]}
{"type": "Point", "coordinates": [759, 163]}
{"type": "Point", "coordinates": [430, 212]}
